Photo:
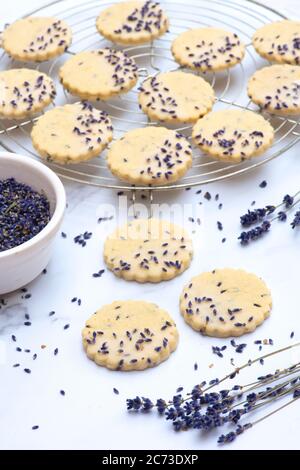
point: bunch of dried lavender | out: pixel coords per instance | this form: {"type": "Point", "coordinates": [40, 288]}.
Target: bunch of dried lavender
{"type": "Point", "coordinates": [205, 409]}
{"type": "Point", "coordinates": [265, 216]}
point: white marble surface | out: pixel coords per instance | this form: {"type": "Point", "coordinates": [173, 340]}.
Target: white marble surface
{"type": "Point", "coordinates": [90, 415]}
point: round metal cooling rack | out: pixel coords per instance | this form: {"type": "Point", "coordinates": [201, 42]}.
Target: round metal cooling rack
{"type": "Point", "coordinates": [240, 16]}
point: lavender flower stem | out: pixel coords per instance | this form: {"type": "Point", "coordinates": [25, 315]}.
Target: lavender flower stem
{"type": "Point", "coordinates": [274, 411]}
{"type": "Point", "coordinates": [238, 369]}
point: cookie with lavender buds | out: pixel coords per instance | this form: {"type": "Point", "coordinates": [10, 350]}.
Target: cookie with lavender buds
{"type": "Point", "coordinates": [72, 133]}
{"type": "Point", "coordinates": [99, 74]}
{"type": "Point", "coordinates": [148, 250]}
{"type": "Point", "coordinates": [276, 89]}
{"type": "Point", "coordinates": [225, 302]}
{"type": "Point", "coordinates": [233, 135]}
{"type": "Point", "coordinates": [133, 22]}
{"type": "Point", "coordinates": [208, 49]}
{"type": "Point", "coordinates": [24, 92]}
{"type": "Point", "coordinates": [35, 39]}
{"type": "Point", "coordinates": [129, 335]}
{"type": "Point", "coordinates": [279, 42]}
{"type": "Point", "coordinates": [150, 156]}
{"type": "Point", "coordinates": [176, 97]}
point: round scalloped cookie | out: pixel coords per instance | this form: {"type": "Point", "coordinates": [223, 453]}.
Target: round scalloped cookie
{"type": "Point", "coordinates": [148, 250]}
{"type": "Point", "coordinates": [72, 133]}
{"type": "Point", "coordinates": [276, 89]}
{"type": "Point", "coordinates": [24, 92]}
{"type": "Point", "coordinates": [279, 42]}
{"type": "Point", "coordinates": [233, 135]}
{"type": "Point", "coordinates": [176, 97]}
{"type": "Point", "coordinates": [134, 22]}
{"type": "Point", "coordinates": [129, 335]}
{"type": "Point", "coordinates": [225, 302]}
{"type": "Point", "coordinates": [208, 49]}
{"type": "Point", "coordinates": [150, 156]}
{"type": "Point", "coordinates": [99, 74]}
{"type": "Point", "coordinates": [35, 39]}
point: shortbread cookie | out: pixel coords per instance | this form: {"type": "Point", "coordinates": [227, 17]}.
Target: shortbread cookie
{"type": "Point", "coordinates": [148, 250]}
{"type": "Point", "coordinates": [279, 42]}
{"type": "Point", "coordinates": [276, 89]}
{"type": "Point", "coordinates": [130, 335]}
{"type": "Point", "coordinates": [233, 135]}
{"type": "Point", "coordinates": [132, 22]}
{"type": "Point", "coordinates": [35, 39]}
{"type": "Point", "coordinates": [99, 74]}
{"type": "Point", "coordinates": [72, 133]}
{"type": "Point", "coordinates": [225, 302]}
{"type": "Point", "coordinates": [24, 92]}
{"type": "Point", "coordinates": [208, 49]}
{"type": "Point", "coordinates": [176, 97]}
{"type": "Point", "coordinates": [151, 156]}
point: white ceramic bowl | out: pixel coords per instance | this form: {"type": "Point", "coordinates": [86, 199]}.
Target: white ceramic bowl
{"type": "Point", "coordinates": [22, 264]}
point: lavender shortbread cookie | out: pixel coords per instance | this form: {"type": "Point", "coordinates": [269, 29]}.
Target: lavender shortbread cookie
{"type": "Point", "coordinates": [279, 42]}
{"type": "Point", "coordinates": [176, 97]}
{"type": "Point", "coordinates": [99, 74]}
{"type": "Point", "coordinates": [276, 89]}
{"type": "Point", "coordinates": [150, 156]}
{"type": "Point", "coordinates": [129, 335]}
{"type": "Point", "coordinates": [208, 49]}
{"type": "Point", "coordinates": [35, 39]}
{"type": "Point", "coordinates": [72, 133]}
{"type": "Point", "coordinates": [225, 302]}
{"type": "Point", "coordinates": [233, 135]}
{"type": "Point", "coordinates": [24, 92]}
{"type": "Point", "coordinates": [134, 22]}
{"type": "Point", "coordinates": [148, 250]}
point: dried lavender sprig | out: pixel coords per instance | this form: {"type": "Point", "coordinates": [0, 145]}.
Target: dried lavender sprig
{"type": "Point", "coordinates": [276, 396]}
{"type": "Point", "coordinates": [247, 236]}
{"type": "Point", "coordinates": [247, 364]}
{"type": "Point", "coordinates": [273, 377]}
{"type": "Point", "coordinates": [257, 215]}
{"type": "Point", "coordinates": [252, 217]}
{"type": "Point", "coordinates": [218, 405]}
{"type": "Point", "coordinates": [251, 362]}
{"type": "Point", "coordinates": [269, 391]}
{"type": "Point", "coordinates": [255, 233]}
{"type": "Point", "coordinates": [279, 215]}
{"type": "Point", "coordinates": [231, 375]}
{"type": "Point", "coordinates": [230, 437]}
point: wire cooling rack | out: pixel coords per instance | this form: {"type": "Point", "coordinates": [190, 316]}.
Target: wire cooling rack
{"type": "Point", "coordinates": [240, 16]}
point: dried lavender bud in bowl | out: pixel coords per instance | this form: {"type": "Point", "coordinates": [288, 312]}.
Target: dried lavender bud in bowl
{"type": "Point", "coordinates": [32, 204]}
{"type": "Point", "coordinates": [24, 212]}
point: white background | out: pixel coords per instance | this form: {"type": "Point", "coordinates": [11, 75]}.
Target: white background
{"type": "Point", "coordinates": [90, 416]}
